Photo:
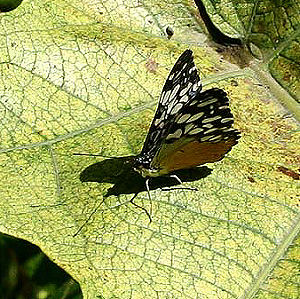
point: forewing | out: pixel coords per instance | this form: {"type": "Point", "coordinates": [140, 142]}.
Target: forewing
{"type": "Point", "coordinates": [181, 85]}
{"type": "Point", "coordinates": [202, 132]}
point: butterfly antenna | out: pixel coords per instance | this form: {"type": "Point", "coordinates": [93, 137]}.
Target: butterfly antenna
{"type": "Point", "coordinates": [136, 205]}
{"type": "Point", "coordinates": [88, 219]}
{"type": "Point", "coordinates": [148, 191]}
{"type": "Point", "coordinates": [94, 155]}
{"type": "Point", "coordinates": [86, 154]}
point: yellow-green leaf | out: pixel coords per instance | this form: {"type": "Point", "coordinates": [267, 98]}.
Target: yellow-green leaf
{"type": "Point", "coordinates": [85, 77]}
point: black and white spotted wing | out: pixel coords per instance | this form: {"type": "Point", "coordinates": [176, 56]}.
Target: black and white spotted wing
{"type": "Point", "coordinates": [190, 127]}
{"type": "Point", "coordinates": [201, 133]}
{"type": "Point", "coordinates": [207, 117]}
{"type": "Point", "coordinates": [180, 87]}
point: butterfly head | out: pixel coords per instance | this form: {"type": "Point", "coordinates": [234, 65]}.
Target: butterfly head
{"type": "Point", "coordinates": [142, 165]}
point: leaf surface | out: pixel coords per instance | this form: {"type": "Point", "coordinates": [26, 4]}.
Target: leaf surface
{"type": "Point", "coordinates": [85, 77]}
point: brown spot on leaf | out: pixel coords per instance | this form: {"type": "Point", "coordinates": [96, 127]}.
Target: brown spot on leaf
{"type": "Point", "coordinates": [234, 83]}
{"type": "Point", "coordinates": [251, 179]}
{"type": "Point", "coordinates": [289, 172]}
{"type": "Point", "coordinates": [151, 65]}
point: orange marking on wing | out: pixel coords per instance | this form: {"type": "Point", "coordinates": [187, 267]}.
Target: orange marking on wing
{"type": "Point", "coordinates": [197, 153]}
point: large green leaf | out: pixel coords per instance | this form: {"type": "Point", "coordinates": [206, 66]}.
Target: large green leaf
{"type": "Point", "coordinates": [273, 27]}
{"type": "Point", "coordinates": [85, 76]}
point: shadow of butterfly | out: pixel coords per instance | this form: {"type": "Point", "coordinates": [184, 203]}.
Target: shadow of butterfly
{"type": "Point", "coordinates": [119, 172]}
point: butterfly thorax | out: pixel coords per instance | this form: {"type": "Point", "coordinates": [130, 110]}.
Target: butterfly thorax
{"type": "Point", "coordinates": [149, 172]}
{"type": "Point", "coordinates": [142, 165]}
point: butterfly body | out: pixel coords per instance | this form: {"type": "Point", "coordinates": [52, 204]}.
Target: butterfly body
{"type": "Point", "coordinates": [190, 127]}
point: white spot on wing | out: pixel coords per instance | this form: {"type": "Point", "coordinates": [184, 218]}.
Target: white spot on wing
{"type": "Point", "coordinates": [192, 69]}
{"type": "Point", "coordinates": [171, 76]}
{"type": "Point", "coordinates": [195, 131]}
{"type": "Point", "coordinates": [174, 92]}
{"type": "Point", "coordinates": [210, 130]}
{"type": "Point", "coordinates": [184, 99]}
{"type": "Point", "coordinates": [157, 121]}
{"type": "Point", "coordinates": [165, 97]}
{"type": "Point", "coordinates": [193, 103]}
{"type": "Point", "coordinates": [196, 86]}
{"type": "Point", "coordinates": [208, 102]}
{"type": "Point", "coordinates": [225, 120]}
{"type": "Point", "coordinates": [189, 127]}
{"type": "Point", "coordinates": [176, 108]}
{"type": "Point", "coordinates": [208, 120]}
{"type": "Point", "coordinates": [216, 138]}
{"type": "Point", "coordinates": [196, 116]}
{"type": "Point", "coordinates": [184, 91]}
{"type": "Point", "coordinates": [162, 117]}
{"type": "Point", "coordinates": [183, 118]}
{"type": "Point", "coordinates": [205, 138]}
{"type": "Point", "coordinates": [176, 134]}
{"type": "Point", "coordinates": [188, 87]}
{"type": "Point", "coordinates": [228, 129]}
{"type": "Point", "coordinates": [161, 125]}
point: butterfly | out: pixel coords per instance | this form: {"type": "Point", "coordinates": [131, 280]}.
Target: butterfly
{"type": "Point", "coordinates": [191, 127]}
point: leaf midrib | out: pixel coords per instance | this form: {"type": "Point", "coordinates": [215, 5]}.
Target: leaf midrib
{"type": "Point", "coordinates": [268, 267]}
{"type": "Point", "coordinates": [115, 118]}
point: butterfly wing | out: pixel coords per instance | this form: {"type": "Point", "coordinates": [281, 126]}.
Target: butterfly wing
{"type": "Point", "coordinates": [202, 132]}
{"type": "Point", "coordinates": [180, 86]}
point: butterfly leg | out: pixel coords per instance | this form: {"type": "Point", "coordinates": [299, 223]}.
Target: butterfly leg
{"type": "Point", "coordinates": [176, 177]}
{"type": "Point", "coordinates": [148, 190]}
{"type": "Point", "coordinates": [136, 205]}
{"type": "Point", "coordinates": [178, 188]}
